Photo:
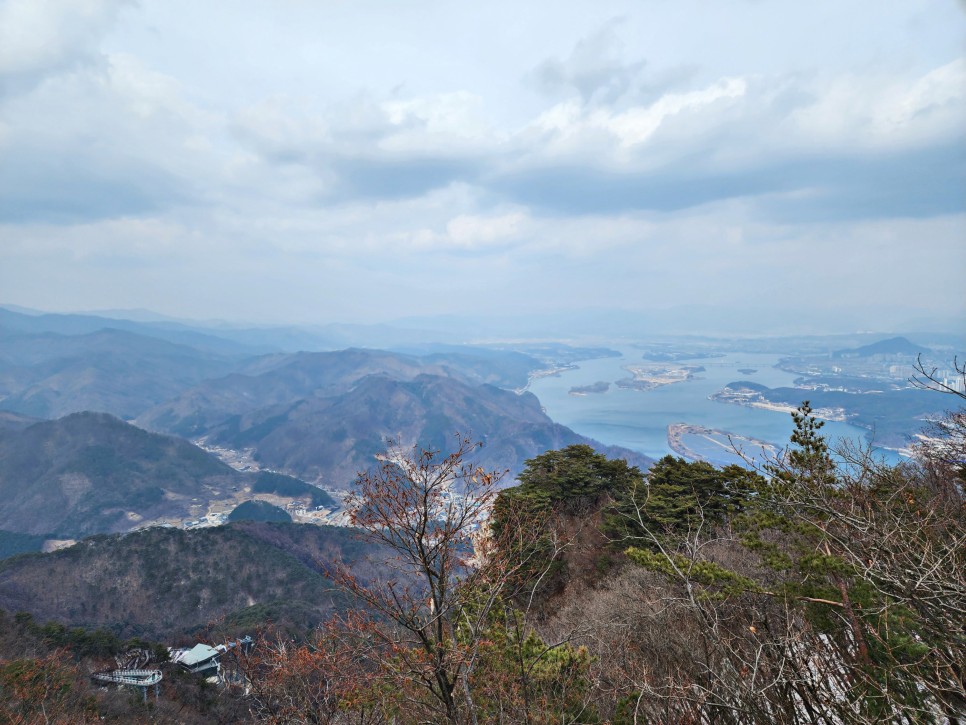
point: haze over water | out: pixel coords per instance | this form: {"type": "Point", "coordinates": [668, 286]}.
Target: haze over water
{"type": "Point", "coordinates": [638, 420]}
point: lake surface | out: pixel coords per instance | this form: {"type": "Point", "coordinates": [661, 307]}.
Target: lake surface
{"type": "Point", "coordinates": [638, 420]}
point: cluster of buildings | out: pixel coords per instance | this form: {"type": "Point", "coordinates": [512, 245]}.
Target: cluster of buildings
{"type": "Point", "coordinates": [210, 519]}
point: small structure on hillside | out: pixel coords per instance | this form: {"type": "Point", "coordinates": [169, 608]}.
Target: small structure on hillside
{"type": "Point", "coordinates": [200, 659]}
{"type": "Point", "coordinates": [204, 659]}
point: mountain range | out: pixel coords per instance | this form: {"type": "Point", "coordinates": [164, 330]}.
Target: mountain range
{"type": "Point", "coordinates": [324, 416]}
{"type": "Point", "coordinates": [49, 375]}
{"type": "Point", "coordinates": [71, 463]}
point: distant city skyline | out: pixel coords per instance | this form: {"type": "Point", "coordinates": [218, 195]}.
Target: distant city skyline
{"type": "Point", "coordinates": [298, 162]}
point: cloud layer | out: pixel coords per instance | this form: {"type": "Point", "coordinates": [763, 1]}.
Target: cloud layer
{"type": "Point", "coordinates": [312, 161]}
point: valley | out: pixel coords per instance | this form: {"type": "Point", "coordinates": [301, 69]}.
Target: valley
{"type": "Point", "coordinates": [322, 417]}
{"type": "Point", "coordinates": [230, 419]}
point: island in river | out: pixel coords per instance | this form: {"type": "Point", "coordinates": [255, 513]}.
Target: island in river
{"type": "Point", "coordinates": [599, 387]}
{"type": "Point", "coordinates": [717, 447]}
{"type": "Point", "coordinates": [650, 377]}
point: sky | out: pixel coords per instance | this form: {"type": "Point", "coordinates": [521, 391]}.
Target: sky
{"type": "Point", "coordinates": [311, 161]}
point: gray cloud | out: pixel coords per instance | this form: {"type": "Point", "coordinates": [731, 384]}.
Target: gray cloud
{"type": "Point", "coordinates": [595, 68]}
{"type": "Point", "coordinates": [919, 183]}
{"type": "Point", "coordinates": [386, 178]}
{"type": "Point", "coordinates": [217, 151]}
{"type": "Point", "coordinates": [78, 188]}
{"type": "Point", "coordinates": [775, 141]}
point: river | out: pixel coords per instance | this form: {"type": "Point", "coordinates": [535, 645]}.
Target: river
{"type": "Point", "coordinates": [639, 420]}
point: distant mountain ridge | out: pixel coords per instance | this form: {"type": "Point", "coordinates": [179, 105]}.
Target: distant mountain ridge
{"type": "Point", "coordinates": [325, 416]}
{"type": "Point", "coordinates": [283, 380]}
{"type": "Point", "coordinates": [333, 438]}
{"type": "Point", "coordinates": [243, 339]}
{"type": "Point", "coordinates": [49, 374]}
{"type": "Point", "coordinates": [85, 324]}
{"type": "Point", "coordinates": [891, 346]}
{"type": "Point", "coordinates": [15, 421]}
{"type": "Point", "coordinates": [53, 365]}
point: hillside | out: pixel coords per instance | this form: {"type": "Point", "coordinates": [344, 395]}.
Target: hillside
{"type": "Point", "coordinates": [205, 339]}
{"type": "Point", "coordinates": [12, 543]}
{"type": "Point", "coordinates": [324, 416]}
{"type": "Point", "coordinates": [159, 582]}
{"type": "Point", "coordinates": [90, 472]}
{"type": "Point", "coordinates": [258, 511]}
{"type": "Point", "coordinates": [15, 421]}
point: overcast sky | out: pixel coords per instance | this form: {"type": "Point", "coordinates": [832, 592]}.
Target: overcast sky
{"type": "Point", "coordinates": [314, 160]}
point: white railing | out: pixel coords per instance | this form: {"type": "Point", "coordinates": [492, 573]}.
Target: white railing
{"type": "Point", "coordinates": [140, 678]}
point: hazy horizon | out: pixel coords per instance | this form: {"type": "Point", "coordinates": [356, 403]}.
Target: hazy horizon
{"type": "Point", "coordinates": [584, 325]}
{"type": "Point", "coordinates": [739, 166]}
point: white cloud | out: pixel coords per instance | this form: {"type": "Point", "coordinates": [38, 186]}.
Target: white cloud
{"type": "Point", "coordinates": [42, 37]}
{"type": "Point", "coordinates": [465, 233]}
{"type": "Point", "coordinates": [446, 123]}
{"type": "Point", "coordinates": [876, 112]}
{"type": "Point", "coordinates": [566, 126]}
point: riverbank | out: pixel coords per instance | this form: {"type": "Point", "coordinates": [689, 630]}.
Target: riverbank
{"type": "Point", "coordinates": [717, 446]}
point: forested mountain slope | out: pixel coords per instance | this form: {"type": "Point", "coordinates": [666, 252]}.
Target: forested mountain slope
{"type": "Point", "coordinates": [159, 582]}
{"type": "Point", "coordinates": [90, 472]}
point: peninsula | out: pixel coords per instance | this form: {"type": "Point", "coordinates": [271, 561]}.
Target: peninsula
{"type": "Point", "coordinates": [754, 395]}
{"type": "Point", "coordinates": [716, 446]}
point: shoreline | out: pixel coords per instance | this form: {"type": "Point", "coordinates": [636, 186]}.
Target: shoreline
{"type": "Point", "coordinates": [552, 372]}
{"type": "Point", "coordinates": [756, 400]}
{"type": "Point", "coordinates": [676, 432]}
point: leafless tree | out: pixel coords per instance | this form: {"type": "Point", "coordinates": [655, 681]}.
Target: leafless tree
{"type": "Point", "coordinates": [928, 378]}
{"type": "Point", "coordinates": [447, 573]}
